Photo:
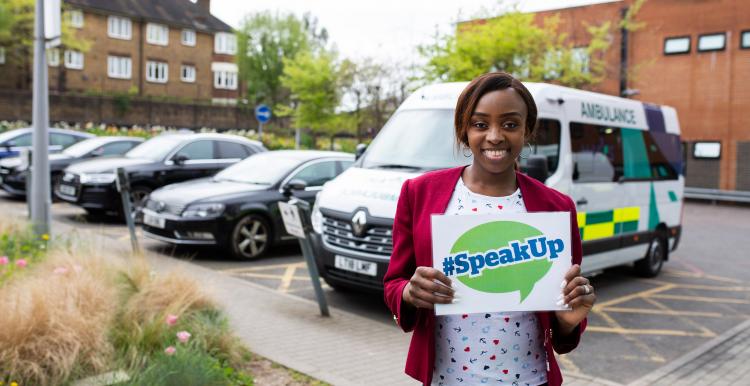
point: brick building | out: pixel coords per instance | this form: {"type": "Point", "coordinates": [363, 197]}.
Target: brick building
{"type": "Point", "coordinates": [693, 55]}
{"type": "Point", "coordinates": [165, 48]}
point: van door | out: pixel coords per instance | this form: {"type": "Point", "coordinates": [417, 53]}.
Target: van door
{"type": "Point", "coordinates": [597, 171]}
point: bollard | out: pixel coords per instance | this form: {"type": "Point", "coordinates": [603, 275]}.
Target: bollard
{"type": "Point", "coordinates": [123, 186]}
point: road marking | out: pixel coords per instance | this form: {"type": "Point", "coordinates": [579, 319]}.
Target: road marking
{"type": "Point", "coordinates": [262, 268]}
{"type": "Point", "coordinates": [286, 280]}
{"type": "Point", "coordinates": [662, 312]}
{"type": "Point", "coordinates": [636, 295]}
{"type": "Point", "coordinates": [701, 299]}
{"type": "Point", "coordinates": [640, 331]}
{"type": "Point", "coordinates": [666, 308]}
{"type": "Point", "coordinates": [268, 276]}
{"type": "Point", "coordinates": [627, 334]}
{"type": "Point", "coordinates": [678, 273]}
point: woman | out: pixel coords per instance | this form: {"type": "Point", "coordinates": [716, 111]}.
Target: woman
{"type": "Point", "coordinates": [495, 117]}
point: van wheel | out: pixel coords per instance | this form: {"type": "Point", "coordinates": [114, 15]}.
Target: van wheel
{"type": "Point", "coordinates": [651, 264]}
{"type": "Point", "coordinates": [251, 237]}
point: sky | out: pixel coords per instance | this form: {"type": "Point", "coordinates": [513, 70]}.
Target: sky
{"type": "Point", "coordinates": [385, 30]}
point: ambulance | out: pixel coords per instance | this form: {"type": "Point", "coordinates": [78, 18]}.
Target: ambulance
{"type": "Point", "coordinates": [620, 160]}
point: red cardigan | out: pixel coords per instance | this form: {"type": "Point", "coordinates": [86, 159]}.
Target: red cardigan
{"type": "Point", "coordinates": [412, 246]}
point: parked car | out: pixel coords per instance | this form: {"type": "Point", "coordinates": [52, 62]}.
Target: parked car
{"type": "Point", "coordinates": [160, 161]}
{"type": "Point", "coordinates": [13, 141]}
{"type": "Point", "coordinates": [13, 170]}
{"type": "Point", "coordinates": [238, 208]}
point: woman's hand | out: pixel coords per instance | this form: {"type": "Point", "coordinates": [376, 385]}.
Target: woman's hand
{"type": "Point", "coordinates": [427, 287]}
{"type": "Point", "coordinates": [578, 293]}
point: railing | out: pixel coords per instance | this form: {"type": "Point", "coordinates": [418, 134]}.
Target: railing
{"type": "Point", "coordinates": [717, 195]}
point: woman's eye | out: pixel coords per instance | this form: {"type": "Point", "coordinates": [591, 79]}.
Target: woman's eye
{"type": "Point", "coordinates": [480, 125]}
{"type": "Point", "coordinates": [510, 125]}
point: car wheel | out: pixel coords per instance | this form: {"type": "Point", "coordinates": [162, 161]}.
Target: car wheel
{"type": "Point", "coordinates": [251, 237]}
{"type": "Point", "coordinates": [138, 195]}
{"type": "Point", "coordinates": [651, 264]}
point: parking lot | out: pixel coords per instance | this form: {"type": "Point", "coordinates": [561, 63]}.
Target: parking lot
{"type": "Point", "coordinates": [638, 325]}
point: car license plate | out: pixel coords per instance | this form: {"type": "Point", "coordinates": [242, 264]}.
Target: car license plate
{"type": "Point", "coordinates": [154, 220]}
{"type": "Point", "coordinates": [68, 190]}
{"type": "Point", "coordinates": [355, 265]}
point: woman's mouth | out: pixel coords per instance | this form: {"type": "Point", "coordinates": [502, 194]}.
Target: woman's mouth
{"type": "Point", "coordinates": [494, 154]}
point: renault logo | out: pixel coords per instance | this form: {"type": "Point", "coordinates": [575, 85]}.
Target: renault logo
{"type": "Point", "coordinates": [359, 223]}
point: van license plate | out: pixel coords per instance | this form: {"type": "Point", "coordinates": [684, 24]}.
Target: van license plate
{"type": "Point", "coordinates": [68, 190]}
{"type": "Point", "coordinates": [154, 221]}
{"type": "Point", "coordinates": [355, 265]}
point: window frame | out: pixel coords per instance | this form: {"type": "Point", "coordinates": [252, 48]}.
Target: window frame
{"type": "Point", "coordinates": [190, 32]}
{"type": "Point", "coordinates": [744, 33]}
{"type": "Point", "coordinates": [718, 157]}
{"type": "Point", "coordinates": [120, 21]}
{"type": "Point", "coordinates": [701, 36]}
{"type": "Point", "coordinates": [114, 74]}
{"type": "Point", "coordinates": [221, 43]}
{"type": "Point", "coordinates": [53, 53]}
{"type": "Point", "coordinates": [307, 164]}
{"type": "Point", "coordinates": [224, 75]}
{"type": "Point", "coordinates": [185, 79]}
{"type": "Point", "coordinates": [70, 63]}
{"type": "Point", "coordinates": [157, 65]}
{"type": "Point", "coordinates": [75, 17]}
{"type": "Point", "coordinates": [155, 36]}
{"type": "Point", "coordinates": [668, 38]}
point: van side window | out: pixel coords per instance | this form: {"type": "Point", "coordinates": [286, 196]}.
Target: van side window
{"type": "Point", "coordinates": [597, 153]}
{"type": "Point", "coordinates": [664, 154]}
{"type": "Point", "coordinates": [546, 142]}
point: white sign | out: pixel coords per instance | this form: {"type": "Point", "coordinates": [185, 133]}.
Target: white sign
{"type": "Point", "coordinates": [502, 262]}
{"type": "Point", "coordinates": [52, 23]}
{"type": "Point", "coordinates": [292, 221]}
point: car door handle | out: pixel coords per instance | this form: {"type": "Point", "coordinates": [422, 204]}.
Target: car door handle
{"type": "Point", "coordinates": [582, 201]}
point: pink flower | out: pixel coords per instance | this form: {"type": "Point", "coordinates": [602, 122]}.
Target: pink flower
{"type": "Point", "coordinates": [183, 336]}
{"type": "Point", "coordinates": [170, 350]}
{"type": "Point", "coordinates": [60, 271]}
{"type": "Point", "coordinates": [21, 263]}
{"type": "Point", "coordinates": [4, 260]}
{"type": "Point", "coordinates": [171, 320]}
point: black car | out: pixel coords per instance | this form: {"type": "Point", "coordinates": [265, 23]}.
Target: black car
{"type": "Point", "coordinates": [13, 171]}
{"type": "Point", "coordinates": [160, 161]}
{"type": "Point", "coordinates": [238, 208]}
{"type": "Point", "coordinates": [13, 141]}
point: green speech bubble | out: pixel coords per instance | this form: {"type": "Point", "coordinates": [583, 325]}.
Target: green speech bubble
{"type": "Point", "coordinates": [521, 276]}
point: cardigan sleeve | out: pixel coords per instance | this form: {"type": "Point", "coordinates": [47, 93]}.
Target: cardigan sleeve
{"type": "Point", "coordinates": [566, 344]}
{"type": "Point", "coordinates": [402, 264]}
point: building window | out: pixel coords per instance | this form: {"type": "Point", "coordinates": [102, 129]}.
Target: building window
{"type": "Point", "coordinates": [580, 58]}
{"type": "Point", "coordinates": [73, 60]}
{"type": "Point", "coordinates": [53, 57]}
{"type": "Point", "coordinates": [157, 72]}
{"type": "Point", "coordinates": [119, 27]}
{"type": "Point", "coordinates": [2, 55]}
{"type": "Point", "coordinates": [119, 67]}
{"type": "Point", "coordinates": [712, 42]}
{"type": "Point", "coordinates": [745, 40]}
{"type": "Point", "coordinates": [75, 17]}
{"type": "Point", "coordinates": [225, 43]}
{"type": "Point", "coordinates": [187, 73]}
{"type": "Point", "coordinates": [707, 150]}
{"type": "Point", "coordinates": [188, 37]}
{"type": "Point", "coordinates": [157, 34]}
{"type": "Point", "coordinates": [226, 80]}
{"type": "Point", "coordinates": [677, 45]}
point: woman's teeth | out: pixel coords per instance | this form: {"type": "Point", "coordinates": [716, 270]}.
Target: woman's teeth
{"type": "Point", "coordinates": [494, 154]}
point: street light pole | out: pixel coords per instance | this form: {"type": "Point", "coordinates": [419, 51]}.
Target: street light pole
{"type": "Point", "coordinates": [40, 183]}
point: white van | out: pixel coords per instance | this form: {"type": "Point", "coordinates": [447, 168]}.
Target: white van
{"type": "Point", "coordinates": [620, 160]}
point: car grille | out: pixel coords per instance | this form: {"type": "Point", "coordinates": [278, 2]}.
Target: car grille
{"type": "Point", "coordinates": [158, 206]}
{"type": "Point", "coordinates": [378, 240]}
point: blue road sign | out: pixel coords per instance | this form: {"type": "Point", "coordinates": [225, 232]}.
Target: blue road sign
{"type": "Point", "coordinates": [262, 113]}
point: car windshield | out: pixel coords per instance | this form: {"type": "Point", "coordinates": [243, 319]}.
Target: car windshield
{"type": "Point", "coordinates": [156, 148]}
{"type": "Point", "coordinates": [84, 147]}
{"type": "Point", "coordinates": [10, 134]}
{"type": "Point", "coordinates": [416, 139]}
{"type": "Point", "coordinates": [260, 169]}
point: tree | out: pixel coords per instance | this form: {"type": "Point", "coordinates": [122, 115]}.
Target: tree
{"type": "Point", "coordinates": [268, 41]}
{"type": "Point", "coordinates": [513, 43]}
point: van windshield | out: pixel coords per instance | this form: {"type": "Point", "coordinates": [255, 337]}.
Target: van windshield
{"type": "Point", "coordinates": [416, 139]}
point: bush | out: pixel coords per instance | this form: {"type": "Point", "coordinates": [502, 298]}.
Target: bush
{"type": "Point", "coordinates": [188, 366]}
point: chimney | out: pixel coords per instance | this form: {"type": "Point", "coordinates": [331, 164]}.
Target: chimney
{"type": "Point", "coordinates": [205, 5]}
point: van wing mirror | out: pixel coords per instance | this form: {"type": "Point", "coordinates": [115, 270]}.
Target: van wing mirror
{"type": "Point", "coordinates": [536, 167]}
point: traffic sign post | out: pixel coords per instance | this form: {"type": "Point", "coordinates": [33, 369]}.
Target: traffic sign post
{"type": "Point", "coordinates": [262, 115]}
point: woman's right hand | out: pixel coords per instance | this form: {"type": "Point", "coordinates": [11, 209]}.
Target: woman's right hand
{"type": "Point", "coordinates": [427, 287]}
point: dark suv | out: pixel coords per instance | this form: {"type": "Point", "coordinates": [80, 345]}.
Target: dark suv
{"type": "Point", "coordinates": [160, 161]}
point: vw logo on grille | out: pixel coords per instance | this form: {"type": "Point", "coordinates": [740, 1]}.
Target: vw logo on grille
{"type": "Point", "coordinates": [359, 223]}
{"type": "Point", "coordinates": [160, 206]}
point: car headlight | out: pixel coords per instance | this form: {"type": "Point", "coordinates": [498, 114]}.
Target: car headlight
{"type": "Point", "coordinates": [97, 178]}
{"type": "Point", "coordinates": [203, 210]}
{"type": "Point", "coordinates": [316, 218]}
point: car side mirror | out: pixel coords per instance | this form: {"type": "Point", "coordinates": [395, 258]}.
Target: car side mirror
{"type": "Point", "coordinates": [360, 149]}
{"type": "Point", "coordinates": [179, 159]}
{"type": "Point", "coordinates": [295, 184]}
{"type": "Point", "coordinates": [536, 167]}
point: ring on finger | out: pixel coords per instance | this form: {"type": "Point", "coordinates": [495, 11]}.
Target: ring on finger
{"type": "Point", "coordinates": [586, 289]}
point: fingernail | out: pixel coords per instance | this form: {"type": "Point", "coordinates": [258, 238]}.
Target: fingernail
{"type": "Point", "coordinates": [560, 302]}
{"type": "Point", "coordinates": [455, 300]}
{"type": "Point", "coordinates": [563, 284]}
{"type": "Point", "coordinates": [560, 296]}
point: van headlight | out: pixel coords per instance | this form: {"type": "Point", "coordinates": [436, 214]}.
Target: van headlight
{"type": "Point", "coordinates": [203, 210]}
{"type": "Point", "coordinates": [97, 178]}
{"type": "Point", "coordinates": [316, 218]}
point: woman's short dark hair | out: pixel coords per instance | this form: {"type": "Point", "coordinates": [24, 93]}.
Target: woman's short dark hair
{"type": "Point", "coordinates": [484, 84]}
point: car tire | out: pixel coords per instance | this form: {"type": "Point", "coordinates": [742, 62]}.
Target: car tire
{"type": "Point", "coordinates": [138, 195]}
{"type": "Point", "coordinates": [251, 237]}
{"type": "Point", "coordinates": [651, 264]}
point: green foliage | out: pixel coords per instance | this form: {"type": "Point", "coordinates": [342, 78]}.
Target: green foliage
{"type": "Point", "coordinates": [513, 43]}
{"type": "Point", "coordinates": [188, 366]}
{"type": "Point", "coordinates": [16, 244]}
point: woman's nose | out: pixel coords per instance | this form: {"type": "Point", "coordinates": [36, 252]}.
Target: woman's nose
{"type": "Point", "coordinates": [494, 135]}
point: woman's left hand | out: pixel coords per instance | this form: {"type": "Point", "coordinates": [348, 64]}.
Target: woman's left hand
{"type": "Point", "coordinates": [578, 293]}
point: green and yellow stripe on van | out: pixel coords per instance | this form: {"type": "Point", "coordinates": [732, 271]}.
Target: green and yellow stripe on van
{"type": "Point", "coordinates": [608, 223]}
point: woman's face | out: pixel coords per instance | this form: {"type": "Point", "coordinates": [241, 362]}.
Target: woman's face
{"type": "Point", "coordinates": [497, 130]}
